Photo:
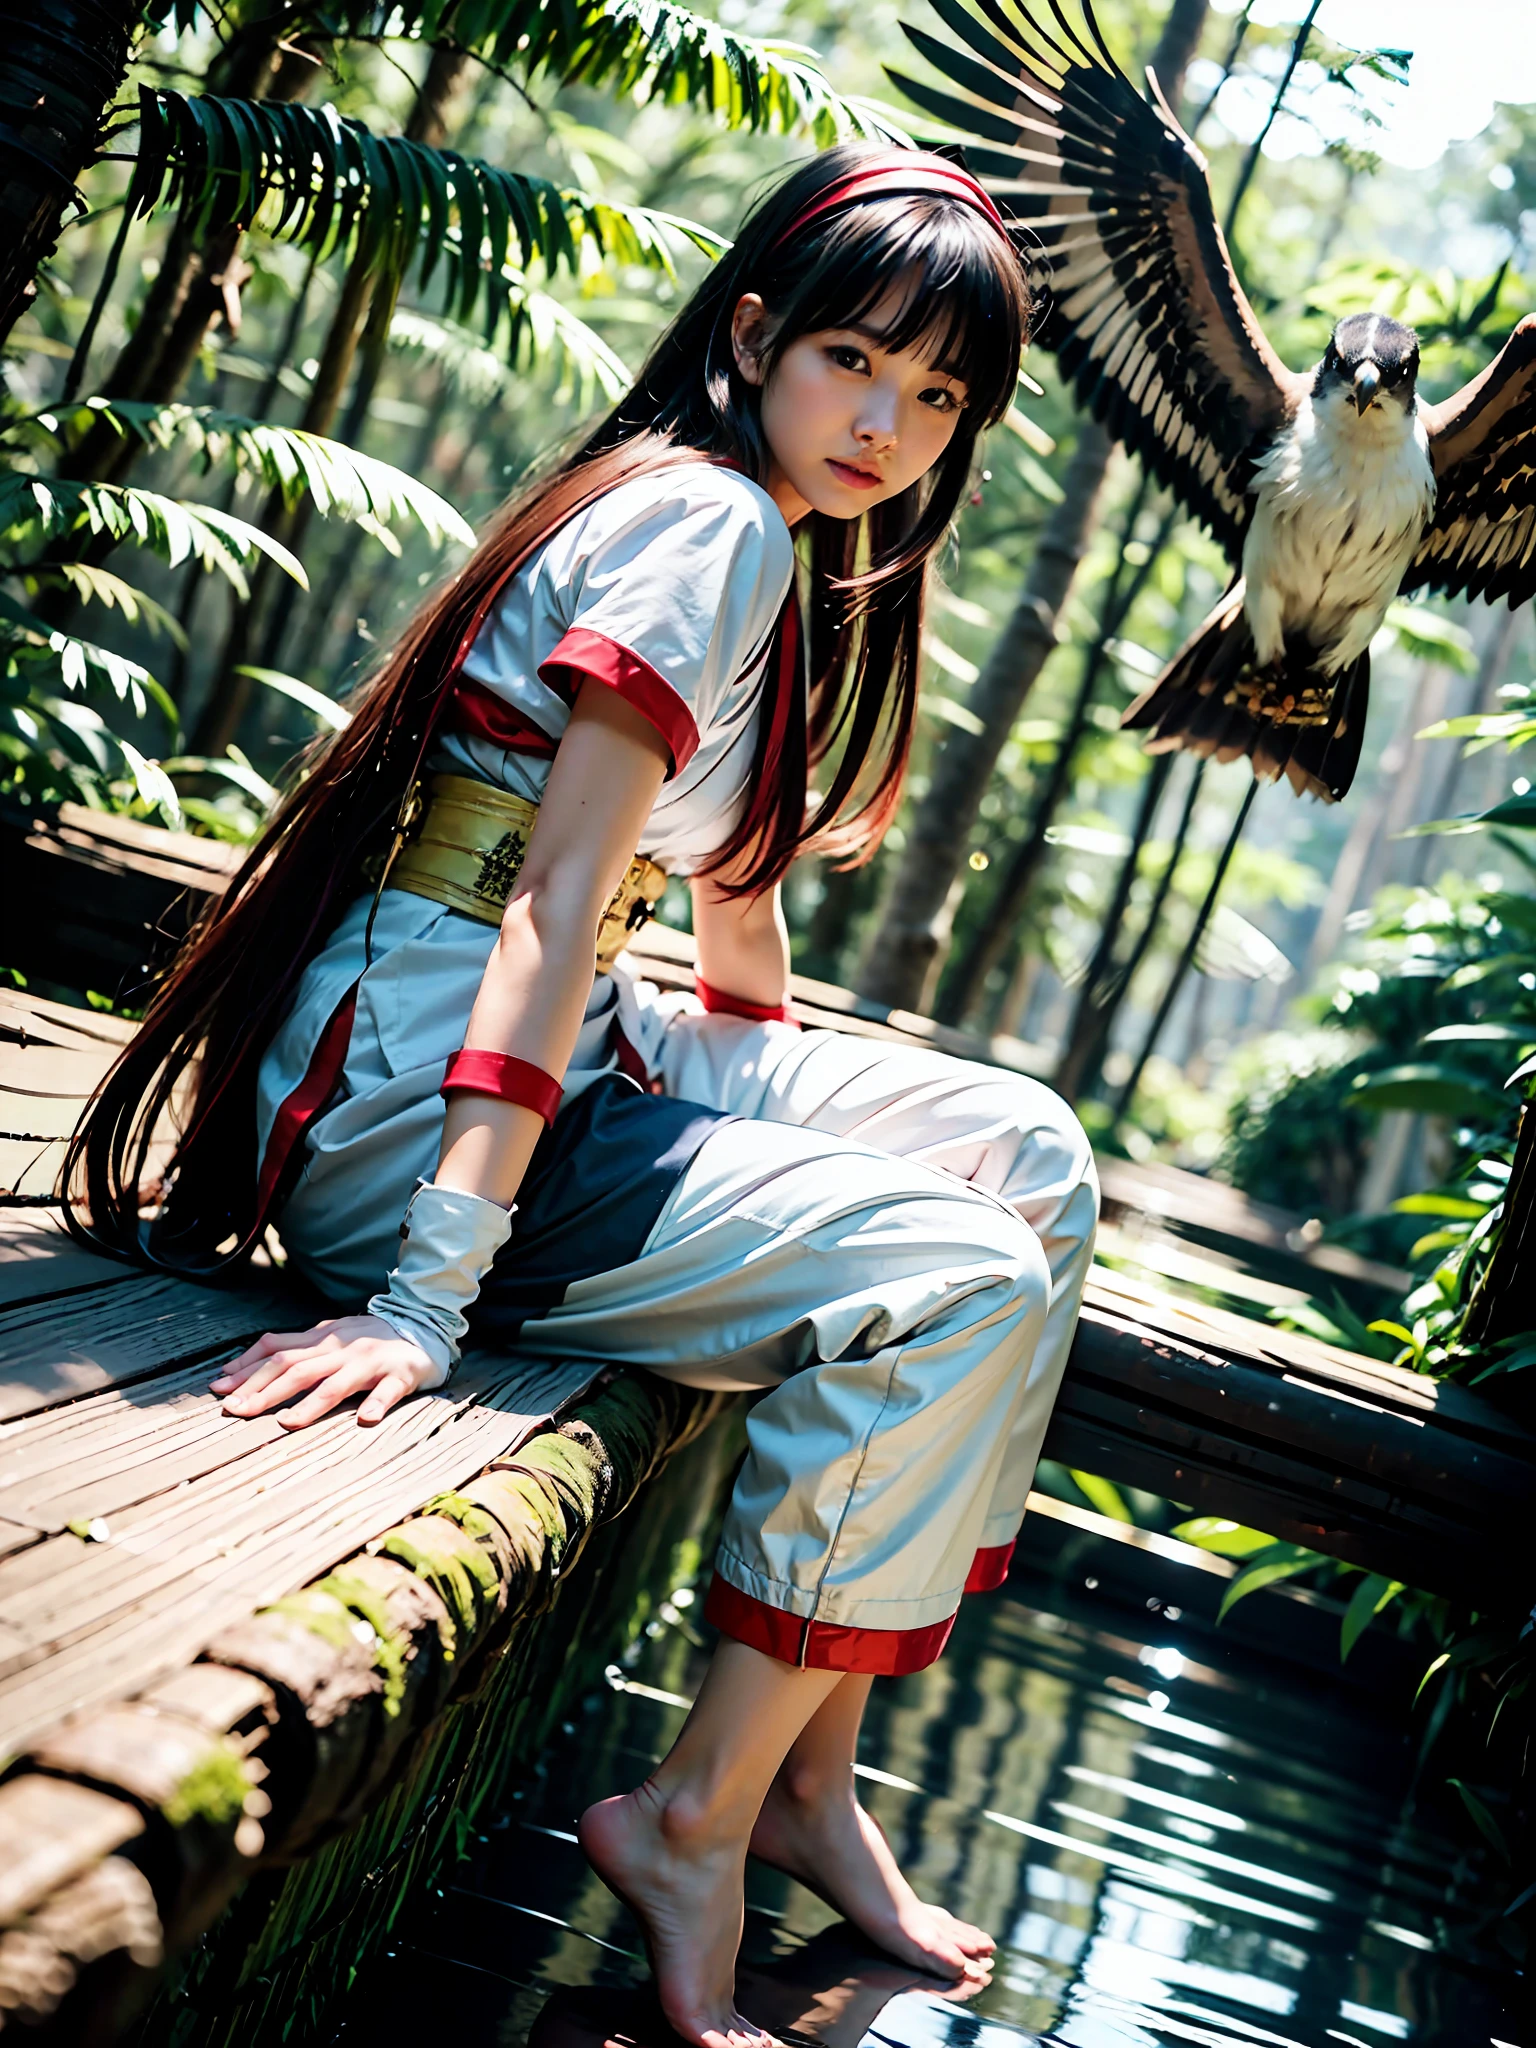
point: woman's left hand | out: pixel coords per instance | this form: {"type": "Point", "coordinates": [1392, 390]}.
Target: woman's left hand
{"type": "Point", "coordinates": [343, 1356]}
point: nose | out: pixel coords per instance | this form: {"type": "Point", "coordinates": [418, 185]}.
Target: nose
{"type": "Point", "coordinates": [1367, 382]}
{"type": "Point", "coordinates": [876, 424]}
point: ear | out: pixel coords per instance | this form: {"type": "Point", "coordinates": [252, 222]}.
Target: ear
{"type": "Point", "coordinates": [749, 336]}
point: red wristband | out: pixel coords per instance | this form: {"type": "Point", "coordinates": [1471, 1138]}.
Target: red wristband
{"type": "Point", "coordinates": [508, 1079]}
{"type": "Point", "coordinates": [717, 1002]}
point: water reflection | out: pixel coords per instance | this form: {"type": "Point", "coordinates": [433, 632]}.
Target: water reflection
{"type": "Point", "coordinates": [1174, 1839]}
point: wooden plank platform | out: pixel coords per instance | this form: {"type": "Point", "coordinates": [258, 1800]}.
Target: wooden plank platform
{"type": "Point", "coordinates": [110, 1434]}
{"type": "Point", "coordinates": [137, 1520]}
{"type": "Point", "coordinates": [1168, 1388]}
{"type": "Point", "coordinates": [187, 1600]}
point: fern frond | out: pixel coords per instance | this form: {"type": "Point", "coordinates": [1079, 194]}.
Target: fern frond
{"type": "Point", "coordinates": [99, 586]}
{"type": "Point", "coordinates": [343, 482]}
{"type": "Point", "coordinates": [649, 49]}
{"type": "Point", "coordinates": [34, 508]}
{"type": "Point", "coordinates": [305, 175]}
{"type": "Point", "coordinates": [33, 643]}
{"type": "Point", "coordinates": [548, 334]}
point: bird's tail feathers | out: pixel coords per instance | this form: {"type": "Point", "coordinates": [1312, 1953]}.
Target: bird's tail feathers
{"type": "Point", "coordinates": [1288, 718]}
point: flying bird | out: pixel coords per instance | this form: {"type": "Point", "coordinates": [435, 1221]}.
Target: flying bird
{"type": "Point", "coordinates": [1333, 490]}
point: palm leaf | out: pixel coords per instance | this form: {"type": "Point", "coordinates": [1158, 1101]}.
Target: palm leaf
{"type": "Point", "coordinates": [547, 335]}
{"type": "Point", "coordinates": [99, 586]}
{"type": "Point", "coordinates": [343, 482]}
{"type": "Point", "coordinates": [305, 175]}
{"type": "Point", "coordinates": [333, 716]}
{"type": "Point", "coordinates": [648, 49]}
{"type": "Point", "coordinates": [33, 642]}
{"type": "Point", "coordinates": [34, 507]}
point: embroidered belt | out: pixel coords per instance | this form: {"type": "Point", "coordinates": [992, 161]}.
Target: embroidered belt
{"type": "Point", "coordinates": [471, 844]}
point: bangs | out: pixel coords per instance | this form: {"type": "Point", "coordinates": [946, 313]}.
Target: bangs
{"type": "Point", "coordinates": [966, 304]}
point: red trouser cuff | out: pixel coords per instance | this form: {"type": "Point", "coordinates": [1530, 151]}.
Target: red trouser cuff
{"type": "Point", "coordinates": [989, 1568]}
{"type": "Point", "coordinates": [719, 1003]}
{"type": "Point", "coordinates": [822, 1645]}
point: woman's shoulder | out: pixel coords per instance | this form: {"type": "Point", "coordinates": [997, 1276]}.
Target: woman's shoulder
{"type": "Point", "coordinates": [709, 505]}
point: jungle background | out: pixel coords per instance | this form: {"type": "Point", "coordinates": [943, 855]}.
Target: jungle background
{"type": "Point", "coordinates": [340, 273]}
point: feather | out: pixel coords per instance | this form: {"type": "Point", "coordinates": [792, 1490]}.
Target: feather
{"type": "Point", "coordinates": [1482, 443]}
{"type": "Point", "coordinates": [1140, 275]}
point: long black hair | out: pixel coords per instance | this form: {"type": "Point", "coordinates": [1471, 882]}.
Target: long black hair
{"type": "Point", "coordinates": [966, 304]}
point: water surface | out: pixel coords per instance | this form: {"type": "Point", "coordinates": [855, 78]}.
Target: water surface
{"type": "Point", "coordinates": [1176, 1836]}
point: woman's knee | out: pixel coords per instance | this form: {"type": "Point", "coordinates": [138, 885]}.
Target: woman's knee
{"type": "Point", "coordinates": [1018, 1294]}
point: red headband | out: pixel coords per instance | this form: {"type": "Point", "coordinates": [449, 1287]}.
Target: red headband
{"type": "Point", "coordinates": [900, 170]}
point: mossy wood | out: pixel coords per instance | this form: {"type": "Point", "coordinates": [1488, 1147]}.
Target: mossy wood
{"type": "Point", "coordinates": [316, 1749]}
{"type": "Point", "coordinates": [291, 1671]}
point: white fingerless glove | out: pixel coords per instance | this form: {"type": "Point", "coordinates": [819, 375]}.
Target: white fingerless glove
{"type": "Point", "coordinates": [448, 1241]}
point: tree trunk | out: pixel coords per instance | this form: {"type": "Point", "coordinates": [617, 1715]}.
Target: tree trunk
{"type": "Point", "coordinates": [1124, 975]}
{"type": "Point", "coordinates": [1098, 999]}
{"type": "Point", "coordinates": [252, 622]}
{"type": "Point", "coordinates": [905, 953]}
{"type": "Point", "coordinates": [429, 124]}
{"type": "Point", "coordinates": [257, 627]}
{"type": "Point", "coordinates": [196, 280]}
{"type": "Point", "coordinates": [60, 68]}
{"type": "Point", "coordinates": [1501, 1306]}
{"type": "Point", "coordinates": [967, 979]}
{"type": "Point", "coordinates": [1186, 959]}
{"type": "Point", "coordinates": [902, 961]}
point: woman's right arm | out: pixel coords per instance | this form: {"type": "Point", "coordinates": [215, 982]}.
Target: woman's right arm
{"type": "Point", "coordinates": [602, 784]}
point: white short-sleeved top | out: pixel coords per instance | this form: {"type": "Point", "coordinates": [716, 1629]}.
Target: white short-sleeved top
{"type": "Point", "coordinates": [668, 589]}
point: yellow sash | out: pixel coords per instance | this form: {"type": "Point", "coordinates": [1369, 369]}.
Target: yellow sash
{"type": "Point", "coordinates": [472, 843]}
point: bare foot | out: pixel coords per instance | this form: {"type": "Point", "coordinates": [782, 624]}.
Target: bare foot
{"type": "Point", "coordinates": [684, 1885]}
{"type": "Point", "coordinates": [837, 1850]}
{"type": "Point", "coordinates": [832, 1991]}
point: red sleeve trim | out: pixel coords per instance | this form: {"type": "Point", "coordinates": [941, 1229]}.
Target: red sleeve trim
{"type": "Point", "coordinates": [299, 1109]}
{"type": "Point", "coordinates": [594, 654]}
{"type": "Point", "coordinates": [989, 1568]}
{"type": "Point", "coordinates": [509, 1080]}
{"type": "Point", "coordinates": [719, 1003]}
{"type": "Point", "coordinates": [822, 1645]}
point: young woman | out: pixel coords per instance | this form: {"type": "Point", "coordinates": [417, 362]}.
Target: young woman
{"type": "Point", "coordinates": [398, 992]}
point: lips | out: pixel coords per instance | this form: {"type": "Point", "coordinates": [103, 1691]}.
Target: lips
{"type": "Point", "coordinates": [853, 476]}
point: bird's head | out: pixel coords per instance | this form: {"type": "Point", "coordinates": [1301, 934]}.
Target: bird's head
{"type": "Point", "coordinates": [1370, 361]}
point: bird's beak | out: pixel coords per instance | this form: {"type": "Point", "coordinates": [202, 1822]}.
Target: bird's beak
{"type": "Point", "coordinates": [1367, 384]}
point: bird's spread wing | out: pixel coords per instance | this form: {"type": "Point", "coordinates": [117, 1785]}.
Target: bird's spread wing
{"type": "Point", "coordinates": [1483, 445]}
{"type": "Point", "coordinates": [1144, 310]}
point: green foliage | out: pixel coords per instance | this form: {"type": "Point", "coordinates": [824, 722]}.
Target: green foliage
{"type": "Point", "coordinates": [1104, 1497]}
{"type": "Point", "coordinates": [306, 175]}
{"type": "Point", "coordinates": [213, 1791]}
{"type": "Point", "coordinates": [55, 741]}
{"type": "Point", "coordinates": [1512, 728]}
{"type": "Point", "coordinates": [1267, 1567]}
{"type": "Point", "coordinates": [341, 482]}
{"type": "Point", "coordinates": [1226, 1539]}
{"type": "Point", "coordinates": [1431, 1017]}
{"type": "Point", "coordinates": [548, 332]}
{"type": "Point", "coordinates": [1426, 635]}
{"type": "Point", "coordinates": [645, 50]}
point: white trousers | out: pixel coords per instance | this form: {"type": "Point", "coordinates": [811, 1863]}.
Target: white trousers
{"type": "Point", "coordinates": [894, 1243]}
